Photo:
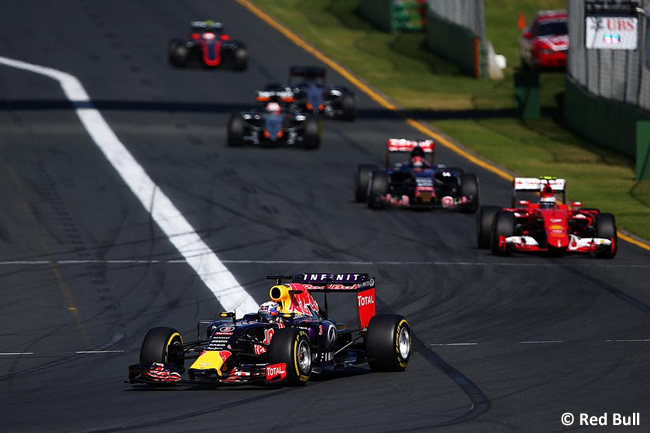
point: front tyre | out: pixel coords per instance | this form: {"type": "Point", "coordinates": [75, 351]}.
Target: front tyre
{"type": "Point", "coordinates": [361, 180]}
{"type": "Point", "coordinates": [378, 187]}
{"type": "Point", "coordinates": [240, 59]}
{"type": "Point", "coordinates": [235, 132]}
{"type": "Point", "coordinates": [290, 346]}
{"type": "Point", "coordinates": [484, 220]}
{"type": "Point", "coordinates": [503, 225]}
{"type": "Point", "coordinates": [313, 132]}
{"type": "Point", "coordinates": [388, 343]}
{"type": "Point", "coordinates": [469, 188]}
{"type": "Point", "coordinates": [349, 107]}
{"type": "Point", "coordinates": [163, 345]}
{"type": "Point", "coordinates": [606, 228]}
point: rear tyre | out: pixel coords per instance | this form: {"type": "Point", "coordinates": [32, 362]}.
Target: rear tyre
{"type": "Point", "coordinates": [240, 59]}
{"type": "Point", "coordinates": [163, 345]}
{"type": "Point", "coordinates": [378, 187]}
{"type": "Point", "coordinates": [469, 188]}
{"type": "Point", "coordinates": [484, 221]}
{"type": "Point", "coordinates": [291, 346]}
{"type": "Point", "coordinates": [388, 343]}
{"type": "Point", "coordinates": [606, 228]}
{"type": "Point", "coordinates": [361, 179]}
{"type": "Point", "coordinates": [235, 133]}
{"type": "Point", "coordinates": [503, 225]}
{"type": "Point", "coordinates": [349, 107]}
{"type": "Point", "coordinates": [312, 132]}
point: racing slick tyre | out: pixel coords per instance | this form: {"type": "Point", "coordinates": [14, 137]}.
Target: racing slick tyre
{"type": "Point", "coordinates": [378, 187]}
{"type": "Point", "coordinates": [484, 225]}
{"type": "Point", "coordinates": [164, 345]}
{"type": "Point", "coordinates": [240, 59]}
{"type": "Point", "coordinates": [349, 107]}
{"type": "Point", "coordinates": [388, 343]}
{"type": "Point", "coordinates": [290, 346]}
{"type": "Point", "coordinates": [361, 180]}
{"type": "Point", "coordinates": [235, 133]}
{"type": "Point", "coordinates": [177, 53]}
{"type": "Point", "coordinates": [606, 228]}
{"type": "Point", "coordinates": [312, 132]}
{"type": "Point", "coordinates": [503, 225]}
{"type": "Point", "coordinates": [469, 188]}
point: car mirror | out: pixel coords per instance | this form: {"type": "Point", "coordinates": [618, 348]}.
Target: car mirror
{"type": "Point", "coordinates": [524, 202]}
{"type": "Point", "coordinates": [576, 204]}
{"type": "Point", "coordinates": [528, 35]}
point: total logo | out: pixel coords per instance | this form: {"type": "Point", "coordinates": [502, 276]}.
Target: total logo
{"type": "Point", "coordinates": [365, 300]}
{"type": "Point", "coordinates": [274, 370]}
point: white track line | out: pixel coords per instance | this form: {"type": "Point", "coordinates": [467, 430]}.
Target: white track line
{"type": "Point", "coordinates": [15, 353]}
{"type": "Point", "coordinates": [230, 294]}
{"type": "Point", "coordinates": [94, 352]}
{"type": "Point", "coordinates": [310, 262]}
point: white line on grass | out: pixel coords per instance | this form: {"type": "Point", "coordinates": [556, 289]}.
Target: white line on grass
{"type": "Point", "coordinates": [230, 294]}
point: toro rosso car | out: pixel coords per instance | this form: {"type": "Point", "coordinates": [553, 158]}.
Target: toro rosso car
{"type": "Point", "coordinates": [286, 341]}
{"type": "Point", "coordinates": [549, 225]}
{"type": "Point", "coordinates": [208, 46]}
{"type": "Point", "coordinates": [274, 124]}
{"type": "Point", "coordinates": [544, 44]}
{"type": "Point", "coordinates": [416, 182]}
{"type": "Point", "coordinates": [312, 95]}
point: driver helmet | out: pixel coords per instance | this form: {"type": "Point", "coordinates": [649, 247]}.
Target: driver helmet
{"type": "Point", "coordinates": [417, 158]}
{"type": "Point", "coordinates": [547, 202]}
{"type": "Point", "coordinates": [273, 107]}
{"type": "Point", "coordinates": [270, 310]}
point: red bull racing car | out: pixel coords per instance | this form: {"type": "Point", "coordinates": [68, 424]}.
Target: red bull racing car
{"type": "Point", "coordinates": [549, 225]}
{"type": "Point", "coordinates": [274, 124]}
{"type": "Point", "coordinates": [417, 182]}
{"type": "Point", "coordinates": [290, 338]}
{"type": "Point", "coordinates": [208, 46]}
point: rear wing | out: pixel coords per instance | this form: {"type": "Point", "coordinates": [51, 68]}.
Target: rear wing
{"type": "Point", "coordinates": [307, 71]}
{"type": "Point", "coordinates": [284, 96]}
{"type": "Point", "coordinates": [361, 284]}
{"type": "Point", "coordinates": [206, 25]}
{"type": "Point", "coordinates": [536, 184]}
{"type": "Point", "coordinates": [402, 145]}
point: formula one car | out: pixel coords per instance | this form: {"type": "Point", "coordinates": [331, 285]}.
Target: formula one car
{"type": "Point", "coordinates": [274, 124]}
{"type": "Point", "coordinates": [288, 340]}
{"type": "Point", "coordinates": [548, 226]}
{"type": "Point", "coordinates": [312, 95]}
{"type": "Point", "coordinates": [416, 183]}
{"type": "Point", "coordinates": [209, 47]}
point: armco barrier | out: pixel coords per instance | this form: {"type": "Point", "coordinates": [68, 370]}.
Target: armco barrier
{"type": "Point", "coordinates": [609, 123]}
{"type": "Point", "coordinates": [457, 44]}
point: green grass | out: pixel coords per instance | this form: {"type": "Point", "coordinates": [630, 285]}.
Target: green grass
{"type": "Point", "coordinates": [400, 66]}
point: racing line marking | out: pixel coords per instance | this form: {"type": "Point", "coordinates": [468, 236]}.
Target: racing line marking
{"type": "Point", "coordinates": [230, 294]}
{"type": "Point", "coordinates": [381, 100]}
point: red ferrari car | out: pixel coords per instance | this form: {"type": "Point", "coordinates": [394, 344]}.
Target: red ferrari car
{"type": "Point", "coordinates": [550, 225]}
{"type": "Point", "coordinates": [544, 43]}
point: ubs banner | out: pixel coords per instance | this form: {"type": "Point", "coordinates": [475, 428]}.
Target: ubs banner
{"type": "Point", "coordinates": [611, 26]}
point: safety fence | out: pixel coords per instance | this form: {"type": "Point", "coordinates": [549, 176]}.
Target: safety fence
{"type": "Point", "coordinates": [607, 93]}
{"type": "Point", "coordinates": [456, 31]}
{"type": "Point", "coordinates": [621, 75]}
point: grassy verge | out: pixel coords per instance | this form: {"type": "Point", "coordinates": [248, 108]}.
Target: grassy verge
{"type": "Point", "coordinates": [400, 67]}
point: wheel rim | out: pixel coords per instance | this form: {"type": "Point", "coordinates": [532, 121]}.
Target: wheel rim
{"type": "Point", "coordinates": [404, 342]}
{"type": "Point", "coordinates": [304, 357]}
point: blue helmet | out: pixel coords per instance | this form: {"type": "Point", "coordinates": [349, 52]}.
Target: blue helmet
{"type": "Point", "coordinates": [270, 310]}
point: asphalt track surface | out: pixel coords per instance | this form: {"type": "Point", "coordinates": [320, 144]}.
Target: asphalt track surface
{"type": "Point", "coordinates": [501, 344]}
